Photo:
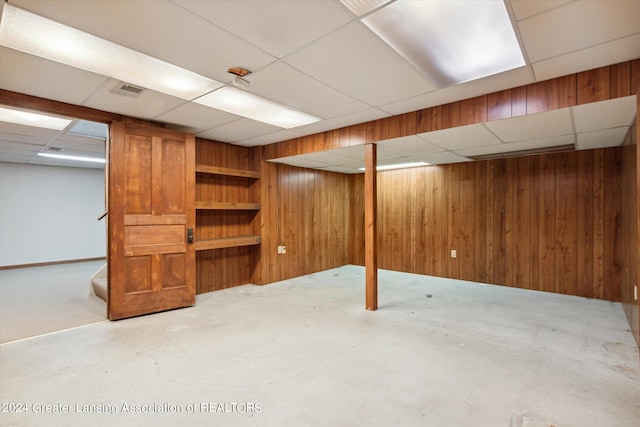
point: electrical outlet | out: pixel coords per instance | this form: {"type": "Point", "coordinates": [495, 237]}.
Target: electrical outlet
{"type": "Point", "coordinates": [282, 250]}
{"type": "Point", "coordinates": [454, 253]}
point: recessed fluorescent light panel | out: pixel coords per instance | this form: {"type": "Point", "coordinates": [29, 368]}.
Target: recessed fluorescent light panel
{"type": "Point", "coordinates": [33, 34]}
{"type": "Point", "coordinates": [400, 166]}
{"type": "Point", "coordinates": [246, 104]}
{"type": "Point", "coordinates": [75, 158]}
{"type": "Point", "coordinates": [450, 41]}
{"type": "Point", "coordinates": [27, 118]}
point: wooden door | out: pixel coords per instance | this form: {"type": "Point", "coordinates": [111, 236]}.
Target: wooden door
{"type": "Point", "coordinates": [151, 260]}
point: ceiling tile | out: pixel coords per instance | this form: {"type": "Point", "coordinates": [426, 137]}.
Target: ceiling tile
{"type": "Point", "coordinates": [621, 50]}
{"type": "Point", "coordinates": [536, 144]}
{"type": "Point", "coordinates": [408, 145]}
{"type": "Point", "coordinates": [284, 84]}
{"type": "Point", "coordinates": [24, 73]}
{"type": "Point", "coordinates": [340, 122]}
{"type": "Point", "coordinates": [158, 28]}
{"type": "Point", "coordinates": [533, 126]}
{"type": "Point", "coordinates": [17, 147]}
{"type": "Point", "coordinates": [42, 161]}
{"type": "Point", "coordinates": [331, 158]}
{"type": "Point", "coordinates": [497, 82]}
{"type": "Point", "coordinates": [562, 30]}
{"type": "Point", "coordinates": [194, 118]}
{"type": "Point", "coordinates": [342, 169]}
{"type": "Point", "coordinates": [344, 61]}
{"type": "Point", "coordinates": [12, 156]}
{"type": "Point", "coordinates": [147, 105]}
{"type": "Point", "coordinates": [442, 158]}
{"type": "Point", "coordinates": [270, 138]}
{"type": "Point", "coordinates": [525, 8]}
{"type": "Point", "coordinates": [606, 114]}
{"type": "Point", "coordinates": [303, 161]}
{"type": "Point", "coordinates": [601, 138]}
{"type": "Point", "coordinates": [384, 157]}
{"type": "Point", "coordinates": [355, 152]}
{"type": "Point", "coordinates": [79, 144]}
{"type": "Point", "coordinates": [28, 134]}
{"type": "Point", "coordinates": [277, 27]}
{"type": "Point", "coordinates": [461, 137]}
{"type": "Point", "coordinates": [239, 130]}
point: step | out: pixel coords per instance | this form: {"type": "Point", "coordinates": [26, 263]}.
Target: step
{"type": "Point", "coordinates": [100, 287]}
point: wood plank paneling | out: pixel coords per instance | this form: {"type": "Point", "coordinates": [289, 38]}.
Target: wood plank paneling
{"type": "Point", "coordinates": [542, 96]}
{"type": "Point", "coordinates": [590, 86]}
{"type": "Point", "coordinates": [499, 221]}
{"type": "Point", "coordinates": [566, 227]}
{"type": "Point", "coordinates": [474, 110]}
{"type": "Point", "coordinates": [356, 219]}
{"type": "Point", "coordinates": [630, 219]}
{"type": "Point", "coordinates": [499, 105]}
{"type": "Point", "coordinates": [308, 211]}
{"type": "Point", "coordinates": [585, 223]}
{"type": "Point", "coordinates": [546, 177]}
{"type": "Point", "coordinates": [529, 222]}
{"type": "Point", "coordinates": [612, 212]}
{"type": "Point", "coordinates": [235, 198]}
{"type": "Point", "coordinates": [567, 91]}
{"type": "Point", "coordinates": [593, 85]}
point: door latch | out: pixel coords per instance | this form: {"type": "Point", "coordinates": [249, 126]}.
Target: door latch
{"type": "Point", "coordinates": [190, 235]}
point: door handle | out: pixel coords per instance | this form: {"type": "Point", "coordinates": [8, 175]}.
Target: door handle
{"type": "Point", "coordinates": [190, 235]}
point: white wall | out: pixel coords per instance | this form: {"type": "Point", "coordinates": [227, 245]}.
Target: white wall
{"type": "Point", "coordinates": [50, 214]}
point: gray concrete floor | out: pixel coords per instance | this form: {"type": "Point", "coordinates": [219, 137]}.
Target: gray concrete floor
{"type": "Point", "coordinates": [304, 352]}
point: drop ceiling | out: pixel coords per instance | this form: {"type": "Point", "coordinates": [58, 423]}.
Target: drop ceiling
{"type": "Point", "coordinates": [597, 125]}
{"type": "Point", "coordinates": [318, 57]}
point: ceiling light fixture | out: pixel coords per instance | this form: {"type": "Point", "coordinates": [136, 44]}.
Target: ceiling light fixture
{"type": "Point", "coordinates": [27, 118]}
{"type": "Point", "coordinates": [74, 158]}
{"type": "Point", "coordinates": [450, 41]}
{"type": "Point", "coordinates": [246, 104]}
{"type": "Point", "coordinates": [400, 166]}
{"type": "Point", "coordinates": [33, 34]}
{"type": "Point", "coordinates": [238, 80]}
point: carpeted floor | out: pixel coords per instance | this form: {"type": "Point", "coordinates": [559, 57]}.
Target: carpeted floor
{"type": "Point", "coordinates": [40, 300]}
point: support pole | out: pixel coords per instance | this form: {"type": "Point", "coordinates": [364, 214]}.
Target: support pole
{"type": "Point", "coordinates": [370, 231]}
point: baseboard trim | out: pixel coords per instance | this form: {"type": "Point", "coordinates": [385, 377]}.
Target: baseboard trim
{"type": "Point", "coordinates": [42, 264]}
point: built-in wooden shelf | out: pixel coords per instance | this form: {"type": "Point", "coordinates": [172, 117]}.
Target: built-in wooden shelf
{"type": "Point", "coordinates": [228, 206]}
{"type": "Point", "coordinates": [217, 170]}
{"type": "Point", "coordinates": [228, 242]}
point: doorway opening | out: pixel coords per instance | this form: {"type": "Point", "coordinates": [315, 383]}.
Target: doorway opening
{"type": "Point", "coordinates": [52, 192]}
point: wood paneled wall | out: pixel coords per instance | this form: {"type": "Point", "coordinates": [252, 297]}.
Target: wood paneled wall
{"type": "Point", "coordinates": [589, 86]}
{"type": "Point", "coordinates": [223, 268]}
{"type": "Point", "coordinates": [548, 222]}
{"type": "Point", "coordinates": [630, 243]}
{"type": "Point", "coordinates": [308, 211]}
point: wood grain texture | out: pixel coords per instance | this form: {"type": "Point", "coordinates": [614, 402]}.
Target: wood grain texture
{"type": "Point", "coordinates": [533, 222]}
{"type": "Point", "coordinates": [589, 86]}
{"type": "Point", "coordinates": [151, 267]}
{"type": "Point", "coordinates": [228, 216]}
{"type": "Point", "coordinates": [370, 227]}
{"type": "Point", "coordinates": [630, 224]}
{"type": "Point", "coordinates": [309, 212]}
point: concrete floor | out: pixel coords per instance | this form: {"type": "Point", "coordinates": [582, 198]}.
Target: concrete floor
{"type": "Point", "coordinates": [304, 352]}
